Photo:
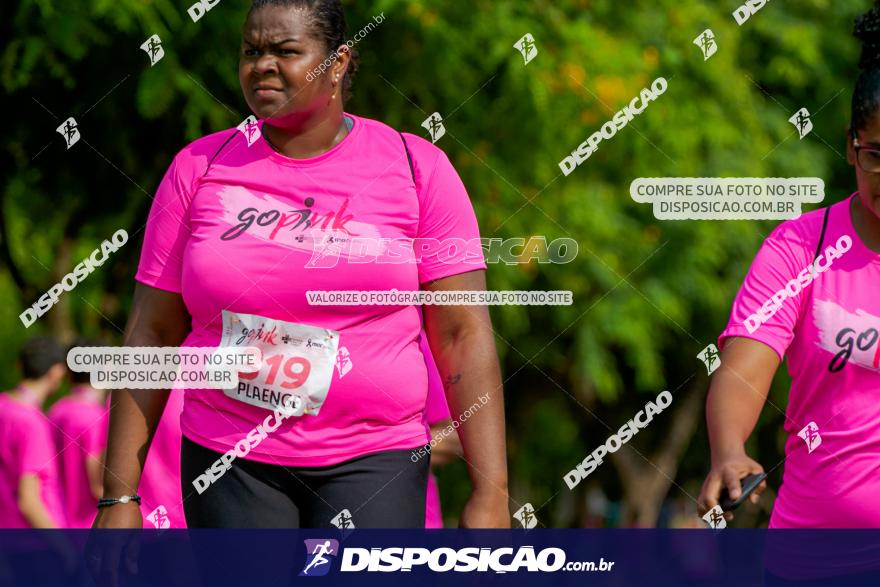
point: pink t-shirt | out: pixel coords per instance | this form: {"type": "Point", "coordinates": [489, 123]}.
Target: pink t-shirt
{"type": "Point", "coordinates": [829, 335]}
{"type": "Point", "coordinates": [161, 500]}
{"type": "Point", "coordinates": [26, 447]}
{"type": "Point", "coordinates": [80, 429]}
{"type": "Point", "coordinates": [239, 237]}
{"type": "Point", "coordinates": [436, 410]}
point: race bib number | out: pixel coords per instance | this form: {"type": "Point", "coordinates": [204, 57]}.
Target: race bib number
{"type": "Point", "coordinates": [298, 362]}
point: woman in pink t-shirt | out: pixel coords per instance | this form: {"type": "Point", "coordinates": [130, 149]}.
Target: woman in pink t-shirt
{"type": "Point", "coordinates": [80, 430]}
{"type": "Point", "coordinates": [248, 220]}
{"type": "Point", "coordinates": [811, 297]}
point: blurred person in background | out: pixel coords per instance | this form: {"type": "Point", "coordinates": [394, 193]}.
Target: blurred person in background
{"type": "Point", "coordinates": [160, 489]}
{"type": "Point", "coordinates": [29, 482]}
{"type": "Point", "coordinates": [439, 424]}
{"type": "Point", "coordinates": [80, 422]}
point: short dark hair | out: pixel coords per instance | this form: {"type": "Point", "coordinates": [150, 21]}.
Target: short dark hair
{"type": "Point", "coordinates": [328, 23]}
{"type": "Point", "coordinates": [866, 96]}
{"type": "Point", "coordinates": [83, 341]}
{"type": "Point", "coordinates": [38, 355]}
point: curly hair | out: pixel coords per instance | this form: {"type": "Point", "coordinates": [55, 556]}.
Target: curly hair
{"type": "Point", "coordinates": [866, 96]}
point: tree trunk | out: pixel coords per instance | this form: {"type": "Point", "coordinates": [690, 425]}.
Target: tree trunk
{"type": "Point", "coordinates": [646, 478]}
{"type": "Point", "coordinates": [59, 317]}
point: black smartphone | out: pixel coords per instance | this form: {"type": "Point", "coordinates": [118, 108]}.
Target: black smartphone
{"type": "Point", "coordinates": [748, 484]}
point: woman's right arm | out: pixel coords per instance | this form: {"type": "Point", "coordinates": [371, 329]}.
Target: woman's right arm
{"type": "Point", "coordinates": [736, 396]}
{"type": "Point", "coordinates": [158, 318]}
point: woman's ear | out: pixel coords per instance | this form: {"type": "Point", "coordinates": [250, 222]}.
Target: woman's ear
{"type": "Point", "coordinates": [341, 65]}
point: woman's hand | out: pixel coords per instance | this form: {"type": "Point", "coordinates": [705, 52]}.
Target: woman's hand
{"type": "Point", "coordinates": [485, 509]}
{"type": "Point", "coordinates": [737, 395]}
{"type": "Point", "coordinates": [106, 552]}
{"type": "Point", "coordinates": [727, 472]}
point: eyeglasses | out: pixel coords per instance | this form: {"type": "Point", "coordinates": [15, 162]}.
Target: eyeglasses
{"type": "Point", "coordinates": [867, 158]}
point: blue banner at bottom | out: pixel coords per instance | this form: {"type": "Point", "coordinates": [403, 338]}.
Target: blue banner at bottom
{"type": "Point", "coordinates": [275, 558]}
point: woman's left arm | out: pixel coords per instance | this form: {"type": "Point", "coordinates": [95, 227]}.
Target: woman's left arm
{"type": "Point", "coordinates": [463, 344]}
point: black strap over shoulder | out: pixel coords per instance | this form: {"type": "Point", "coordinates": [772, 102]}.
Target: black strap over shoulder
{"type": "Point", "coordinates": [226, 142]}
{"type": "Point", "coordinates": [412, 170]}
{"type": "Point", "coordinates": [822, 234]}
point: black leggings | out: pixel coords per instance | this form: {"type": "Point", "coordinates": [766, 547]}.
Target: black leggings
{"type": "Point", "coordinates": [379, 490]}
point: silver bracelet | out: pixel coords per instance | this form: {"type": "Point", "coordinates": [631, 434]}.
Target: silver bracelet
{"type": "Point", "coordinates": [108, 501]}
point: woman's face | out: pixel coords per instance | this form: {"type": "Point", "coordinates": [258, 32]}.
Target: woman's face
{"type": "Point", "coordinates": [278, 58]}
{"type": "Point", "coordinates": [868, 183]}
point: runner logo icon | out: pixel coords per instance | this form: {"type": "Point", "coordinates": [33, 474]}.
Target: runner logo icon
{"type": "Point", "coordinates": [153, 48]}
{"type": "Point", "coordinates": [69, 130]}
{"type": "Point", "coordinates": [343, 362]}
{"type": "Point", "coordinates": [801, 121]}
{"type": "Point", "coordinates": [159, 518]}
{"type": "Point", "coordinates": [320, 553]}
{"type": "Point", "coordinates": [706, 42]}
{"type": "Point", "coordinates": [526, 45]}
{"type": "Point", "coordinates": [710, 357]}
{"type": "Point", "coordinates": [810, 434]}
{"type": "Point", "coordinates": [249, 128]}
{"type": "Point", "coordinates": [526, 516]}
{"type": "Point", "coordinates": [434, 125]}
{"type": "Point", "coordinates": [715, 518]}
{"type": "Point", "coordinates": [343, 520]}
